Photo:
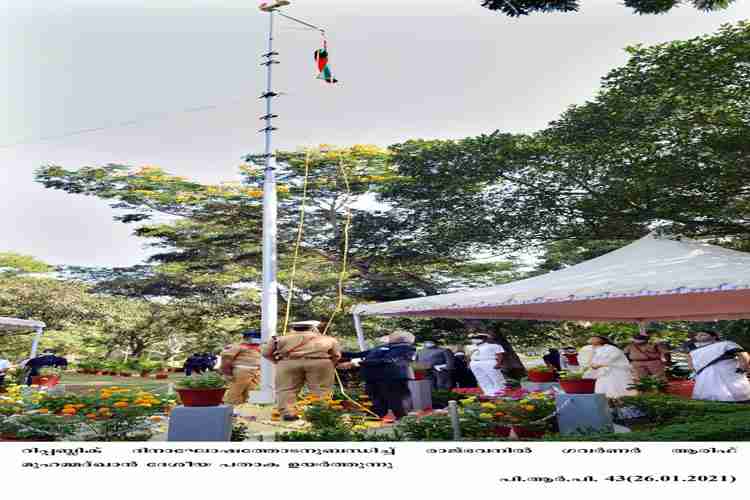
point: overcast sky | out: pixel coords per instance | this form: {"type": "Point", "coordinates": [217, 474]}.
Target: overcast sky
{"type": "Point", "coordinates": [409, 69]}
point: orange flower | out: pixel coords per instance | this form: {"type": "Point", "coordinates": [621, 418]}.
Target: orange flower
{"type": "Point", "coordinates": [91, 415]}
{"type": "Point", "coordinates": [121, 404]}
{"type": "Point", "coordinates": [69, 411]}
{"type": "Point", "coordinates": [43, 410]}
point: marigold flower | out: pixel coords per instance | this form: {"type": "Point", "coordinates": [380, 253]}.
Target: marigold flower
{"type": "Point", "coordinates": [485, 416]}
{"type": "Point", "coordinates": [43, 410]}
{"type": "Point", "coordinates": [121, 404]}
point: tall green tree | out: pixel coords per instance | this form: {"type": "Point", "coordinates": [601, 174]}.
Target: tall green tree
{"type": "Point", "coordinates": [518, 8]}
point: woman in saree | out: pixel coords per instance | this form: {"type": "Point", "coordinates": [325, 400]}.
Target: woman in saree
{"type": "Point", "coordinates": [720, 369]}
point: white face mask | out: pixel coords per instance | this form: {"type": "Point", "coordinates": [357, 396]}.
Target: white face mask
{"type": "Point", "coordinates": [477, 341]}
{"type": "Point", "coordinates": [383, 340]}
{"type": "Point", "coordinates": [429, 345]}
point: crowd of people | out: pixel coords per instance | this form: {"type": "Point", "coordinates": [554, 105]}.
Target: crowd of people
{"type": "Point", "coordinates": [305, 357]}
{"type": "Point", "coordinates": [719, 367]}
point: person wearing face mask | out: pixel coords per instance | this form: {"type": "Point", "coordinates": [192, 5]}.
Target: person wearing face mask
{"type": "Point", "coordinates": [720, 369]}
{"type": "Point", "coordinates": [485, 359]}
{"type": "Point", "coordinates": [647, 359]}
{"type": "Point", "coordinates": [441, 364]}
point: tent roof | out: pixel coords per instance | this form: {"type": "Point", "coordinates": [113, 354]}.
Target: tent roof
{"type": "Point", "coordinates": [14, 323]}
{"type": "Point", "coordinates": [650, 279]}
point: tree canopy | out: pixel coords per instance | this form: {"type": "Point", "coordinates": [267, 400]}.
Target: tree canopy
{"type": "Point", "coordinates": [518, 8]}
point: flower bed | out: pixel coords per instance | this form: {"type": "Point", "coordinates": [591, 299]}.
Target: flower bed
{"type": "Point", "coordinates": [109, 414]}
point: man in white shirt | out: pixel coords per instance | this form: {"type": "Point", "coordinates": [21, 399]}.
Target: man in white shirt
{"type": "Point", "coordinates": [4, 367]}
{"type": "Point", "coordinates": [484, 360]}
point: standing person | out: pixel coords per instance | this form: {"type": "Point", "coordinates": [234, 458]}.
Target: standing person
{"type": "Point", "coordinates": [510, 365]}
{"type": "Point", "coordinates": [610, 368]}
{"type": "Point", "coordinates": [441, 364]}
{"type": "Point", "coordinates": [720, 369]}
{"type": "Point", "coordinates": [240, 363]}
{"type": "Point", "coordinates": [484, 362]}
{"type": "Point", "coordinates": [462, 375]}
{"type": "Point", "coordinates": [386, 372]}
{"type": "Point", "coordinates": [569, 359]}
{"type": "Point", "coordinates": [647, 359]}
{"type": "Point", "coordinates": [552, 359]}
{"type": "Point", "coordinates": [304, 356]}
{"type": "Point", "coordinates": [47, 358]}
{"type": "Point", "coordinates": [4, 367]}
{"type": "Point", "coordinates": [193, 364]}
{"type": "Point", "coordinates": [689, 343]}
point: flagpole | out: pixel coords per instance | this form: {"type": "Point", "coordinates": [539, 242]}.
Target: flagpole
{"type": "Point", "coordinates": [269, 305]}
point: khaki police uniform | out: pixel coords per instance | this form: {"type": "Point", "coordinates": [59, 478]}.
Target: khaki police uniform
{"type": "Point", "coordinates": [243, 362]}
{"type": "Point", "coordinates": [647, 360]}
{"type": "Point", "coordinates": [302, 358]}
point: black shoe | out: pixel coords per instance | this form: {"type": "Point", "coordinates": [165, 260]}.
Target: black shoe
{"type": "Point", "coordinates": [289, 418]}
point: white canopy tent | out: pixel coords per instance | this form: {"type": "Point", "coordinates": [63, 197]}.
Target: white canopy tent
{"type": "Point", "coordinates": [24, 324]}
{"type": "Point", "coordinates": [649, 280]}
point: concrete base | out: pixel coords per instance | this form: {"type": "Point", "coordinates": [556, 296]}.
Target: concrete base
{"type": "Point", "coordinates": [421, 394]}
{"type": "Point", "coordinates": [583, 413]}
{"type": "Point", "coordinates": [208, 423]}
{"type": "Point", "coordinates": [262, 397]}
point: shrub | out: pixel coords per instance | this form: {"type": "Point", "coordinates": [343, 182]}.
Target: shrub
{"type": "Point", "coordinates": [206, 380]}
{"type": "Point", "coordinates": [731, 427]}
{"type": "Point", "coordinates": [661, 409]}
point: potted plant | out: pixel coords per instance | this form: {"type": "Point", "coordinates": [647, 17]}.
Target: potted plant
{"type": "Point", "coordinates": [420, 370]}
{"type": "Point", "coordinates": [531, 416]}
{"type": "Point", "coordinates": [205, 389]}
{"type": "Point", "coordinates": [541, 374]}
{"type": "Point", "coordinates": [574, 383]}
{"type": "Point", "coordinates": [649, 385]}
{"type": "Point", "coordinates": [48, 377]}
{"type": "Point", "coordinates": [145, 367]}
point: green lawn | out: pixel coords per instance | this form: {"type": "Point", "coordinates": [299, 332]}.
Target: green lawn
{"type": "Point", "coordinates": [77, 382]}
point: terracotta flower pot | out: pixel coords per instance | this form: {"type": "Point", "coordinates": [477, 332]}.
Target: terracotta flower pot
{"type": "Point", "coordinates": [161, 376]}
{"type": "Point", "coordinates": [681, 388]}
{"type": "Point", "coordinates": [46, 381]}
{"type": "Point", "coordinates": [524, 432]}
{"type": "Point", "coordinates": [501, 431]}
{"type": "Point", "coordinates": [541, 377]}
{"type": "Point", "coordinates": [582, 386]}
{"type": "Point", "coordinates": [145, 374]}
{"type": "Point", "coordinates": [201, 397]}
{"type": "Point", "coordinates": [123, 374]}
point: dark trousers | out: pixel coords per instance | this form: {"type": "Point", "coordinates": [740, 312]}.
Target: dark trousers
{"type": "Point", "coordinates": [388, 395]}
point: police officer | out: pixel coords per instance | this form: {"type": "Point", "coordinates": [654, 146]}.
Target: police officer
{"type": "Point", "coordinates": [240, 363]}
{"type": "Point", "coordinates": [304, 356]}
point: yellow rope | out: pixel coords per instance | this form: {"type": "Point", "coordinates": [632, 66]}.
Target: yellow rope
{"type": "Point", "coordinates": [300, 230]}
{"type": "Point", "coordinates": [344, 262]}
{"type": "Point", "coordinates": [344, 258]}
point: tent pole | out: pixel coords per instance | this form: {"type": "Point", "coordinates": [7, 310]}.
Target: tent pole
{"type": "Point", "coordinates": [35, 343]}
{"type": "Point", "coordinates": [360, 332]}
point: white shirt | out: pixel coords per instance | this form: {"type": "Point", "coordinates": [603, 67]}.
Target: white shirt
{"type": "Point", "coordinates": [486, 352]}
{"type": "Point", "coordinates": [4, 364]}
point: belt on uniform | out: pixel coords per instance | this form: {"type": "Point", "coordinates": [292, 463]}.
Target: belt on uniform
{"type": "Point", "coordinates": [295, 359]}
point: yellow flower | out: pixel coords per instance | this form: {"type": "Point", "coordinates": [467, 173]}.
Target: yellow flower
{"type": "Point", "coordinates": [528, 407]}
{"type": "Point", "coordinates": [43, 410]}
{"type": "Point", "coordinates": [121, 404]}
{"type": "Point", "coordinates": [485, 416]}
{"type": "Point", "coordinates": [488, 406]}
